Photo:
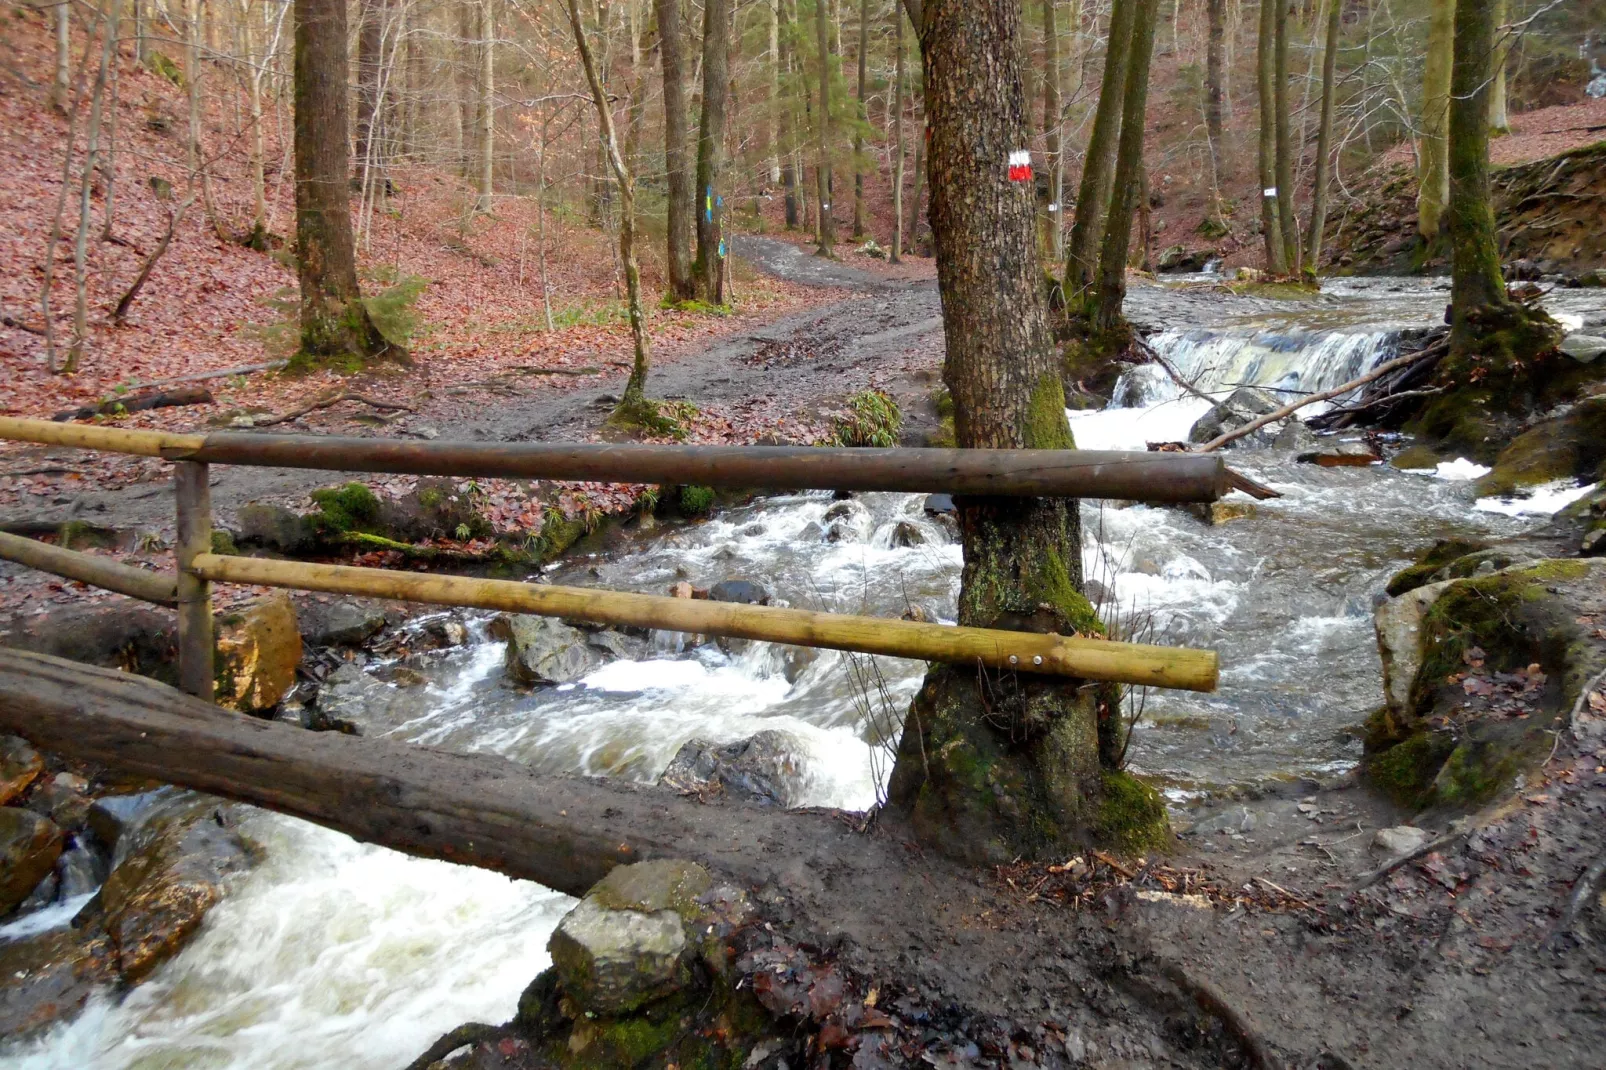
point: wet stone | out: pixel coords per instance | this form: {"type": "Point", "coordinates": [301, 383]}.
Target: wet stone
{"type": "Point", "coordinates": [29, 847]}
{"type": "Point", "coordinates": [1400, 840]}
{"type": "Point", "coordinates": [744, 592]}
{"type": "Point", "coordinates": [763, 768]}
{"type": "Point", "coordinates": [347, 622]}
{"type": "Point", "coordinates": [20, 765]}
{"type": "Point", "coordinates": [63, 799]}
{"type": "Point", "coordinates": [905, 533]}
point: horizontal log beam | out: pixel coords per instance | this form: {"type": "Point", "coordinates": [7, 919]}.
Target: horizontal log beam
{"type": "Point", "coordinates": [160, 588]}
{"type": "Point", "coordinates": [1150, 477]}
{"type": "Point", "coordinates": [1088, 659]}
{"type": "Point", "coordinates": [478, 810]}
{"type": "Point", "coordinates": [93, 437]}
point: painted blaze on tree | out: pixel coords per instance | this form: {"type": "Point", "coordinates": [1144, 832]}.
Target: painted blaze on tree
{"type": "Point", "coordinates": [996, 765]}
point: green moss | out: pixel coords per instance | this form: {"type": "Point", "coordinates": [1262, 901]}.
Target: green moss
{"type": "Point", "coordinates": [873, 419]}
{"type": "Point", "coordinates": [1430, 561]}
{"type": "Point", "coordinates": [671, 419]}
{"type": "Point", "coordinates": [160, 64]}
{"type": "Point", "coordinates": [1476, 771]}
{"type": "Point", "coordinates": [352, 507]}
{"type": "Point", "coordinates": [1572, 445]}
{"type": "Point", "coordinates": [223, 543]}
{"type": "Point", "coordinates": [431, 497]}
{"type": "Point", "coordinates": [1212, 227]}
{"type": "Point", "coordinates": [696, 501]}
{"type": "Point", "coordinates": [1406, 770]}
{"type": "Point", "coordinates": [669, 304]}
{"type": "Point", "coordinates": [1131, 815]}
{"type": "Point", "coordinates": [1415, 458]}
{"type": "Point", "coordinates": [1046, 425]}
{"type": "Point", "coordinates": [81, 534]}
{"type": "Point", "coordinates": [1050, 584]}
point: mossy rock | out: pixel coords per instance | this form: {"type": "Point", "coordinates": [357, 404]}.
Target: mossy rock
{"type": "Point", "coordinates": [343, 509]}
{"type": "Point", "coordinates": [1132, 815]}
{"type": "Point", "coordinates": [1572, 445]}
{"type": "Point", "coordinates": [1430, 561]}
{"type": "Point", "coordinates": [1415, 459]}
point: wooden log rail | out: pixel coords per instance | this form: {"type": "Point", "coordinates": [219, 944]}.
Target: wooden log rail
{"type": "Point", "coordinates": [1088, 659]}
{"type": "Point", "coordinates": [1152, 477]}
{"type": "Point", "coordinates": [1129, 475]}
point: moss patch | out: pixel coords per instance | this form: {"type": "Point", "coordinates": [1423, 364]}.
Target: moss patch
{"type": "Point", "coordinates": [669, 419]}
{"type": "Point", "coordinates": [1416, 459]}
{"type": "Point", "coordinates": [1046, 425]}
{"type": "Point", "coordinates": [1572, 445]}
{"type": "Point", "coordinates": [352, 507]}
{"type": "Point", "coordinates": [696, 501]}
{"type": "Point", "coordinates": [1430, 561]}
{"type": "Point", "coordinates": [1131, 814]}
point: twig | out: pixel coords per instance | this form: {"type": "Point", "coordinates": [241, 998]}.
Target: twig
{"type": "Point", "coordinates": [1311, 399]}
{"type": "Point", "coordinates": [127, 300]}
{"type": "Point", "coordinates": [221, 373]}
{"type": "Point", "coordinates": [1438, 843]}
{"type": "Point", "coordinates": [43, 470]}
{"type": "Point", "coordinates": [329, 401]}
{"type": "Point", "coordinates": [1301, 900]}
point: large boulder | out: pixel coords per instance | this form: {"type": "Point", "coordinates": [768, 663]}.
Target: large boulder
{"type": "Point", "coordinates": [51, 976]}
{"type": "Point", "coordinates": [1569, 445]}
{"type": "Point", "coordinates": [744, 592]}
{"type": "Point", "coordinates": [763, 768]}
{"type": "Point", "coordinates": [29, 847]}
{"type": "Point", "coordinates": [342, 622]}
{"type": "Point", "coordinates": [1584, 348]}
{"type": "Point", "coordinates": [64, 798]}
{"type": "Point", "coordinates": [352, 701]}
{"type": "Point", "coordinates": [274, 527]}
{"type": "Point", "coordinates": [1241, 407]}
{"type": "Point", "coordinates": [541, 650]}
{"type": "Point", "coordinates": [258, 649]}
{"type": "Point", "coordinates": [1347, 454]}
{"type": "Point", "coordinates": [1398, 623]}
{"type": "Point", "coordinates": [20, 766]}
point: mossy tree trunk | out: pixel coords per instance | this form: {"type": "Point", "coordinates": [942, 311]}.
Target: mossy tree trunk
{"type": "Point", "coordinates": [634, 400]}
{"type": "Point", "coordinates": [1499, 120]}
{"type": "Point", "coordinates": [1098, 164]}
{"type": "Point", "coordinates": [334, 323]}
{"type": "Point", "coordinates": [1324, 138]}
{"type": "Point", "coordinates": [1271, 226]}
{"type": "Point", "coordinates": [711, 149]}
{"type": "Point", "coordinates": [1433, 168]}
{"type": "Point", "coordinates": [822, 148]}
{"type": "Point", "coordinates": [864, 115]}
{"type": "Point", "coordinates": [682, 284]}
{"type": "Point", "coordinates": [896, 254]}
{"type": "Point", "coordinates": [1130, 187]}
{"type": "Point", "coordinates": [994, 765]}
{"type": "Point", "coordinates": [485, 112]}
{"type": "Point", "coordinates": [1489, 332]}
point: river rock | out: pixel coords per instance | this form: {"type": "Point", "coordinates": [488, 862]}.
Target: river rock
{"type": "Point", "coordinates": [744, 592]}
{"type": "Point", "coordinates": [762, 768]}
{"type": "Point", "coordinates": [1216, 513]}
{"type": "Point", "coordinates": [906, 533]}
{"type": "Point", "coordinates": [1399, 840]}
{"type": "Point", "coordinates": [626, 943]}
{"type": "Point", "coordinates": [258, 649]}
{"type": "Point", "coordinates": [29, 847]}
{"type": "Point", "coordinates": [847, 522]}
{"type": "Point", "coordinates": [1584, 348]}
{"type": "Point", "coordinates": [1179, 258]}
{"type": "Point", "coordinates": [1398, 624]}
{"type": "Point", "coordinates": [1350, 454]}
{"type": "Point", "coordinates": [541, 650]}
{"type": "Point", "coordinates": [50, 976]}
{"type": "Point", "coordinates": [344, 622]}
{"type": "Point", "coordinates": [274, 527]}
{"type": "Point", "coordinates": [352, 701]}
{"type": "Point", "coordinates": [1295, 437]}
{"type": "Point", "coordinates": [112, 815]}
{"type": "Point", "coordinates": [1242, 406]}
{"type": "Point", "coordinates": [20, 766]}
{"type": "Point", "coordinates": [64, 798]}
{"type": "Point", "coordinates": [171, 871]}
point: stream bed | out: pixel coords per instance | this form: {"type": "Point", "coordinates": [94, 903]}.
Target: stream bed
{"type": "Point", "coordinates": [334, 953]}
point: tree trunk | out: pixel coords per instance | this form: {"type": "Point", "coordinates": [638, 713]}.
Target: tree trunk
{"type": "Point", "coordinates": [858, 135]}
{"type": "Point", "coordinates": [1499, 121]}
{"type": "Point", "coordinates": [717, 16]}
{"type": "Point", "coordinates": [682, 284]}
{"type": "Point", "coordinates": [1287, 223]}
{"type": "Point", "coordinates": [1129, 186]}
{"type": "Point", "coordinates": [465, 86]}
{"type": "Point", "coordinates": [912, 231]}
{"type": "Point", "coordinates": [1052, 92]}
{"type": "Point", "coordinates": [63, 26]}
{"type": "Point", "coordinates": [634, 401]}
{"type": "Point", "coordinates": [334, 322]}
{"type": "Point", "coordinates": [1324, 138]}
{"type": "Point", "coordinates": [1216, 13]}
{"type": "Point", "coordinates": [1433, 159]}
{"type": "Point", "coordinates": [370, 60]}
{"type": "Point", "coordinates": [772, 117]}
{"type": "Point", "coordinates": [822, 166]}
{"type": "Point", "coordinates": [898, 18]}
{"type": "Point", "coordinates": [991, 767]}
{"type": "Point", "coordinates": [1098, 165]}
{"type": "Point", "coordinates": [1489, 332]}
{"type": "Point", "coordinates": [1266, 69]}
{"type": "Point", "coordinates": [86, 184]}
{"type": "Point", "coordinates": [486, 110]}
{"type": "Point", "coordinates": [790, 175]}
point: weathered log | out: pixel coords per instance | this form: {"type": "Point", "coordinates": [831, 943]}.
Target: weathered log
{"type": "Point", "coordinates": [90, 437]}
{"type": "Point", "coordinates": [196, 645]}
{"type": "Point", "coordinates": [479, 810]}
{"type": "Point", "coordinates": [1033, 652]}
{"type": "Point", "coordinates": [157, 587]}
{"type": "Point", "coordinates": [156, 399]}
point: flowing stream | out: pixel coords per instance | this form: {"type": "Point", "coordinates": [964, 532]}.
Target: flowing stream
{"type": "Point", "coordinates": [333, 953]}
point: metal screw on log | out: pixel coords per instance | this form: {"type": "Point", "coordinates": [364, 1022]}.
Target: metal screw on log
{"type": "Point", "coordinates": [195, 643]}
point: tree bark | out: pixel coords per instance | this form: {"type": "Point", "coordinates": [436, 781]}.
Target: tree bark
{"type": "Point", "coordinates": [370, 60]}
{"type": "Point", "coordinates": [790, 175]}
{"type": "Point", "coordinates": [993, 767]}
{"type": "Point", "coordinates": [1499, 121]}
{"type": "Point", "coordinates": [1324, 139]}
{"type": "Point", "coordinates": [486, 110]}
{"type": "Point", "coordinates": [1129, 186]}
{"type": "Point", "coordinates": [1216, 13]}
{"type": "Point", "coordinates": [334, 322]}
{"type": "Point", "coordinates": [858, 134]}
{"type": "Point", "coordinates": [897, 137]}
{"type": "Point", "coordinates": [822, 148]}
{"type": "Point", "coordinates": [1287, 222]}
{"type": "Point", "coordinates": [912, 231]}
{"type": "Point", "coordinates": [1098, 165]}
{"type": "Point", "coordinates": [682, 283]}
{"type": "Point", "coordinates": [1266, 69]}
{"type": "Point", "coordinates": [63, 70]}
{"type": "Point", "coordinates": [717, 15]}
{"type": "Point", "coordinates": [1433, 160]}
{"type": "Point", "coordinates": [1052, 93]}
{"type": "Point", "coordinates": [1489, 332]}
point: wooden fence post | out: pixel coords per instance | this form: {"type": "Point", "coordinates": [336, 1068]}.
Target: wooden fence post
{"type": "Point", "coordinates": [195, 642]}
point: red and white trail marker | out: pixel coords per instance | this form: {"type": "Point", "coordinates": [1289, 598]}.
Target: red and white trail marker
{"type": "Point", "coordinates": [1020, 166]}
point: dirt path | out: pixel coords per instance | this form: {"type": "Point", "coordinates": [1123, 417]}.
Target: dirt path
{"type": "Point", "coordinates": [885, 332]}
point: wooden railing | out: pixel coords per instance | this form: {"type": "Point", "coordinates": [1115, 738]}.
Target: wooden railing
{"type": "Point", "coordinates": [1150, 477]}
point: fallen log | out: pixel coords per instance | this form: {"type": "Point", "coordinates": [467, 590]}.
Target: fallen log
{"type": "Point", "coordinates": [478, 810]}
{"type": "Point", "coordinates": [1033, 652]}
{"type": "Point", "coordinates": [160, 399]}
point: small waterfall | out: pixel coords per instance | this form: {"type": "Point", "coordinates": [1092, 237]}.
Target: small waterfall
{"type": "Point", "coordinates": [1218, 361]}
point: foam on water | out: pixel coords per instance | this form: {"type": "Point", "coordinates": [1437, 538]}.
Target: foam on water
{"type": "Point", "coordinates": [1461, 469]}
{"type": "Point", "coordinates": [1544, 500]}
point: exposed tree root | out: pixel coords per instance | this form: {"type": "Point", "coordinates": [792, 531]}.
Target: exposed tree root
{"type": "Point", "coordinates": [461, 1037]}
{"type": "Point", "coordinates": [1213, 1002]}
{"type": "Point", "coordinates": [329, 401]}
